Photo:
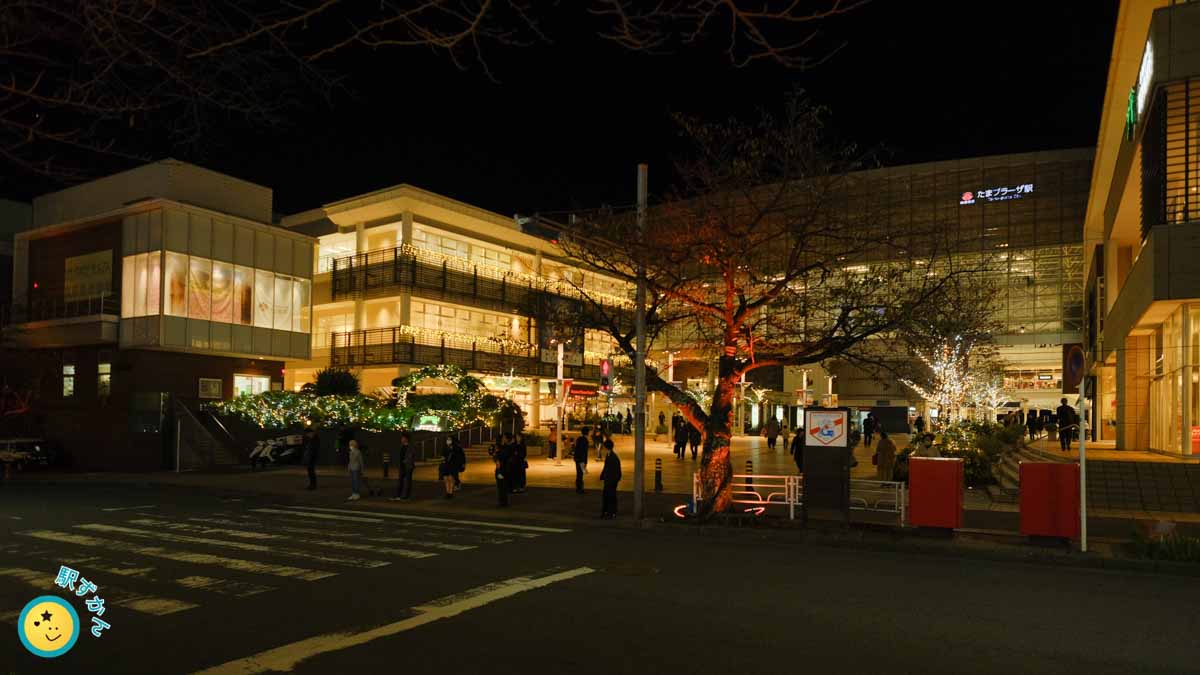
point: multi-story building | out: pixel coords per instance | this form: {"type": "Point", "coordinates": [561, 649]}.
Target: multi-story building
{"type": "Point", "coordinates": [1142, 293]}
{"type": "Point", "coordinates": [407, 278]}
{"type": "Point", "coordinates": [137, 296]}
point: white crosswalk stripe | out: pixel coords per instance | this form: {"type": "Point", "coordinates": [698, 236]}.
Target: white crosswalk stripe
{"type": "Point", "coordinates": [416, 531]}
{"type": "Point", "coordinates": [235, 564]}
{"type": "Point", "coordinates": [112, 595]}
{"type": "Point", "coordinates": [514, 527]}
{"type": "Point", "coordinates": [351, 545]}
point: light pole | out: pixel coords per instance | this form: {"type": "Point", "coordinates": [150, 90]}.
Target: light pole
{"type": "Point", "coordinates": [639, 433]}
{"type": "Point", "coordinates": [559, 404]}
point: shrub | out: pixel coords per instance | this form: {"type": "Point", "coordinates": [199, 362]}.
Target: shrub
{"type": "Point", "coordinates": [1173, 548]}
{"type": "Point", "coordinates": [336, 382]}
{"type": "Point", "coordinates": [981, 446]}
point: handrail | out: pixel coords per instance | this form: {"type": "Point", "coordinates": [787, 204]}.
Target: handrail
{"type": "Point", "coordinates": [25, 309]}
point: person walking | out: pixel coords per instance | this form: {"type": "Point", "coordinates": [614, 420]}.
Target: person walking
{"type": "Point", "coordinates": [772, 432]}
{"type": "Point", "coordinates": [502, 456]}
{"type": "Point", "coordinates": [869, 425]}
{"type": "Point", "coordinates": [406, 463]}
{"type": "Point", "coordinates": [355, 466]}
{"type": "Point", "coordinates": [580, 452]}
{"type": "Point", "coordinates": [552, 442]}
{"type": "Point", "coordinates": [783, 432]}
{"type": "Point", "coordinates": [798, 452]}
{"type": "Point", "coordinates": [694, 439]}
{"type": "Point", "coordinates": [919, 425]}
{"type": "Point", "coordinates": [1031, 424]}
{"type": "Point", "coordinates": [681, 439]}
{"type": "Point", "coordinates": [312, 448]}
{"type": "Point", "coordinates": [610, 475]}
{"type": "Point", "coordinates": [1066, 425]}
{"type": "Point", "coordinates": [598, 442]}
{"type": "Point", "coordinates": [447, 470]}
{"type": "Point", "coordinates": [884, 457]}
{"type": "Point", "coordinates": [662, 418]}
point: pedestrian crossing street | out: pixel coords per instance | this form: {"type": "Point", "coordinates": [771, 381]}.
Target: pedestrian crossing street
{"type": "Point", "coordinates": [158, 565]}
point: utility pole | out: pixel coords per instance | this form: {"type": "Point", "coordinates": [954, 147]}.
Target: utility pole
{"type": "Point", "coordinates": [639, 431]}
{"type": "Point", "coordinates": [1082, 466]}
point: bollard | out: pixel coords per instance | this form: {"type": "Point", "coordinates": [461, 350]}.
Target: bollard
{"type": "Point", "coordinates": [749, 472]}
{"type": "Point", "coordinates": [658, 486]}
{"type": "Point", "coordinates": [387, 461]}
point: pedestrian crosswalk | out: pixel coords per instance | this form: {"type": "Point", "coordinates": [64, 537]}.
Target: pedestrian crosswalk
{"type": "Point", "coordinates": [158, 564]}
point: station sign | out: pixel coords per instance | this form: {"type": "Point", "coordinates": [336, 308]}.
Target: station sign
{"type": "Point", "coordinates": [827, 427]}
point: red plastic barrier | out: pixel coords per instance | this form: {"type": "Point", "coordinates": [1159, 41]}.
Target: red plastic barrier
{"type": "Point", "coordinates": [1050, 499]}
{"type": "Point", "coordinates": [935, 492]}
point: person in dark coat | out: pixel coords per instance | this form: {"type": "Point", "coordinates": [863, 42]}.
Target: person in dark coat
{"type": "Point", "coordinates": [312, 448]}
{"type": "Point", "coordinates": [798, 452]}
{"type": "Point", "coordinates": [580, 451]}
{"type": "Point", "coordinates": [1031, 424]}
{"type": "Point", "coordinates": [869, 425]}
{"type": "Point", "coordinates": [681, 439]}
{"type": "Point", "coordinates": [1066, 425]}
{"type": "Point", "coordinates": [502, 456]}
{"type": "Point", "coordinates": [610, 475]}
{"type": "Point", "coordinates": [406, 463]}
{"type": "Point", "coordinates": [919, 425]}
{"type": "Point", "coordinates": [519, 463]}
{"type": "Point", "coordinates": [694, 439]}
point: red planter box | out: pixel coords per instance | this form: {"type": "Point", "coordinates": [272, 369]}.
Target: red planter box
{"type": "Point", "coordinates": [935, 492]}
{"type": "Point", "coordinates": [1050, 499]}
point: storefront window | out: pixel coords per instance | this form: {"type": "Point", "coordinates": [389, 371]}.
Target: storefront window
{"type": "Point", "coordinates": [176, 272]}
{"type": "Point", "coordinates": [68, 380]}
{"type": "Point", "coordinates": [140, 285]}
{"type": "Point", "coordinates": [103, 380]}
{"type": "Point", "coordinates": [301, 291]}
{"type": "Point", "coordinates": [200, 288]}
{"type": "Point", "coordinates": [250, 385]}
{"type": "Point", "coordinates": [264, 299]}
{"type": "Point", "coordinates": [243, 296]}
{"type": "Point", "coordinates": [283, 303]}
{"type": "Point", "coordinates": [222, 292]}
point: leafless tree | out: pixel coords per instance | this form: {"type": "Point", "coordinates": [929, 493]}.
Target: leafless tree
{"type": "Point", "coordinates": [93, 81]}
{"type": "Point", "coordinates": [770, 252]}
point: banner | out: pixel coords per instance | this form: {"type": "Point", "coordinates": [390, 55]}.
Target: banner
{"type": "Point", "coordinates": [87, 275]}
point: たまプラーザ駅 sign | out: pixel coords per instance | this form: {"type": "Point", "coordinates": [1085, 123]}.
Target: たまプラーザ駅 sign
{"type": "Point", "coordinates": [826, 427]}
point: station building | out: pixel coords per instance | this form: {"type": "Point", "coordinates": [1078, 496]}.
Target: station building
{"type": "Point", "coordinates": [1141, 240]}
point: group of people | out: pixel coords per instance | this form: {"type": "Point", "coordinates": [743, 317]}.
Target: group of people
{"type": "Point", "coordinates": [773, 429]}
{"type": "Point", "coordinates": [610, 475]}
{"type": "Point", "coordinates": [509, 456]}
{"type": "Point", "coordinates": [685, 435]}
{"type": "Point", "coordinates": [406, 463]}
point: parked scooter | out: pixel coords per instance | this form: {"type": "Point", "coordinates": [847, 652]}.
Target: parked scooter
{"type": "Point", "coordinates": [275, 451]}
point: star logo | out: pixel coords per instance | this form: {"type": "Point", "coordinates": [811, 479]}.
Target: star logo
{"type": "Point", "coordinates": [46, 616]}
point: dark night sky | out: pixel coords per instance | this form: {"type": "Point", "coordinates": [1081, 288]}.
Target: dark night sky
{"type": "Point", "coordinates": [566, 122]}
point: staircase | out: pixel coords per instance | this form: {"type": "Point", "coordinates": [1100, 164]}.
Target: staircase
{"type": "Point", "coordinates": [1008, 473]}
{"type": "Point", "coordinates": [197, 447]}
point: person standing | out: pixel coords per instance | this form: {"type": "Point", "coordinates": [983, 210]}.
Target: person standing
{"type": "Point", "coordinates": [662, 418]}
{"type": "Point", "coordinates": [681, 439]}
{"type": "Point", "coordinates": [919, 425]}
{"type": "Point", "coordinates": [869, 425]}
{"type": "Point", "coordinates": [1066, 425]}
{"type": "Point", "coordinates": [552, 442]}
{"type": "Point", "coordinates": [446, 469]}
{"type": "Point", "coordinates": [783, 432]}
{"type": "Point", "coordinates": [610, 475]}
{"type": "Point", "coordinates": [580, 452]}
{"type": "Point", "coordinates": [312, 448]}
{"type": "Point", "coordinates": [355, 466]}
{"type": "Point", "coordinates": [798, 452]}
{"type": "Point", "coordinates": [405, 464]}
{"type": "Point", "coordinates": [1031, 424]}
{"type": "Point", "coordinates": [598, 442]}
{"type": "Point", "coordinates": [772, 432]}
{"type": "Point", "coordinates": [519, 463]}
{"type": "Point", "coordinates": [885, 457]}
{"type": "Point", "coordinates": [502, 456]}
{"type": "Point", "coordinates": [694, 439]}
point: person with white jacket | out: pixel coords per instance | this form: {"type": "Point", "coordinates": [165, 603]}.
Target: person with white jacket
{"type": "Point", "coordinates": [356, 468]}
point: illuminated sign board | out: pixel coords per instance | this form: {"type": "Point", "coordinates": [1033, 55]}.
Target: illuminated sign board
{"type": "Point", "coordinates": [1144, 75]}
{"type": "Point", "coordinates": [428, 423]}
{"type": "Point", "coordinates": [996, 194]}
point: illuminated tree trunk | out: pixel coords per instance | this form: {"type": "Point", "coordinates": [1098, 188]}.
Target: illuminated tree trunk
{"type": "Point", "coordinates": [716, 469]}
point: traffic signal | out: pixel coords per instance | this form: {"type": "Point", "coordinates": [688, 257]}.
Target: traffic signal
{"type": "Point", "coordinates": [605, 375]}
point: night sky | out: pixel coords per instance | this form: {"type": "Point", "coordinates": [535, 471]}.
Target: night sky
{"type": "Point", "coordinates": [564, 124]}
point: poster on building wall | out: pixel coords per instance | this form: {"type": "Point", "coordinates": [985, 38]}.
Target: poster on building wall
{"type": "Point", "coordinates": [210, 387]}
{"type": "Point", "coordinates": [87, 275]}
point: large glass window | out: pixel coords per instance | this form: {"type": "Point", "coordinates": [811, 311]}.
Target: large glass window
{"type": "Point", "coordinates": [200, 288]}
{"type": "Point", "coordinates": [264, 299]}
{"type": "Point", "coordinates": [222, 292]}
{"type": "Point", "coordinates": [243, 296]}
{"type": "Point", "coordinates": [176, 283]}
{"type": "Point", "coordinates": [140, 285]}
{"type": "Point", "coordinates": [283, 303]}
{"type": "Point", "coordinates": [301, 291]}
{"type": "Point", "coordinates": [68, 380]}
{"type": "Point", "coordinates": [103, 380]}
{"type": "Point", "coordinates": [250, 385]}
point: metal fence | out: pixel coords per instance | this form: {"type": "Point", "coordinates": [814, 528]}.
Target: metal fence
{"type": "Point", "coordinates": [755, 492]}
{"type": "Point", "coordinates": [880, 495]}
{"type": "Point", "coordinates": [25, 309]}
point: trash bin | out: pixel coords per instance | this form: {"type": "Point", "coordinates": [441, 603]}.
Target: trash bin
{"type": "Point", "coordinates": [935, 492]}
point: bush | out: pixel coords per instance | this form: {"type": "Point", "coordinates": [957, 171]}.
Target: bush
{"type": "Point", "coordinates": [1173, 548]}
{"type": "Point", "coordinates": [981, 446]}
{"type": "Point", "coordinates": [336, 382]}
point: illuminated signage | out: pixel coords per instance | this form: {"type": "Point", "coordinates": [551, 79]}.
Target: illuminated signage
{"type": "Point", "coordinates": [997, 194]}
{"type": "Point", "coordinates": [1144, 75]}
{"type": "Point", "coordinates": [428, 423]}
{"type": "Point", "coordinates": [87, 275]}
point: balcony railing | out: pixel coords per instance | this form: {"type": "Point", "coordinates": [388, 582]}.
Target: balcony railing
{"type": "Point", "coordinates": [384, 271]}
{"type": "Point", "coordinates": [405, 345]}
{"type": "Point", "coordinates": [26, 310]}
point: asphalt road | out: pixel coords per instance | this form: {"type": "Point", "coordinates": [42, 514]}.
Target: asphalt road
{"type": "Point", "coordinates": [241, 585]}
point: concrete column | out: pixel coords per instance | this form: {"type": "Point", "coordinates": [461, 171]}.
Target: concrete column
{"type": "Point", "coordinates": [535, 402]}
{"type": "Point", "coordinates": [537, 263]}
{"type": "Point", "coordinates": [406, 228]}
{"type": "Point", "coordinates": [360, 246]}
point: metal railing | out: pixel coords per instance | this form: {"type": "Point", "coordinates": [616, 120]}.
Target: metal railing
{"type": "Point", "coordinates": [404, 345]}
{"type": "Point", "coordinates": [879, 495]}
{"type": "Point", "coordinates": [24, 309]}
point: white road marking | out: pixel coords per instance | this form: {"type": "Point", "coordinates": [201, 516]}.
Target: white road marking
{"type": "Point", "coordinates": [429, 519]}
{"type": "Point", "coordinates": [238, 545]}
{"type": "Point", "coordinates": [352, 545]}
{"type": "Point", "coordinates": [287, 657]}
{"type": "Point", "coordinates": [235, 564]}
{"type": "Point", "coordinates": [356, 537]}
{"type": "Point", "coordinates": [322, 516]}
{"type": "Point", "coordinates": [113, 596]}
{"type": "Point", "coordinates": [481, 535]}
{"type": "Point", "coordinates": [237, 589]}
{"type": "Point", "coordinates": [131, 508]}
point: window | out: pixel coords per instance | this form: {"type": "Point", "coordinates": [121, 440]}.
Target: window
{"type": "Point", "coordinates": [249, 385]}
{"type": "Point", "coordinates": [103, 380]}
{"type": "Point", "coordinates": [176, 271]}
{"type": "Point", "coordinates": [301, 292]}
{"type": "Point", "coordinates": [140, 285]}
{"type": "Point", "coordinates": [222, 292]}
{"type": "Point", "coordinates": [243, 296]}
{"type": "Point", "coordinates": [200, 288]}
{"type": "Point", "coordinates": [331, 323]}
{"type": "Point", "coordinates": [283, 303]}
{"type": "Point", "coordinates": [68, 388]}
{"type": "Point", "coordinates": [264, 298]}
